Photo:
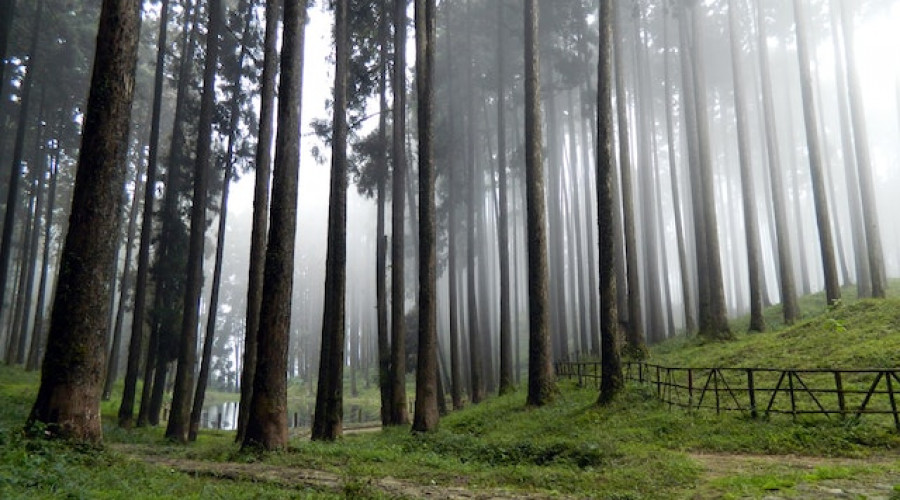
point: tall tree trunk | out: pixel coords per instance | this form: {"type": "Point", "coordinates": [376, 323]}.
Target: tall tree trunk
{"type": "Point", "coordinates": [138, 321]}
{"type": "Point", "coordinates": [456, 378]}
{"type": "Point", "coordinates": [823, 222]}
{"type": "Point", "coordinates": [112, 367]}
{"type": "Point", "coordinates": [612, 381]}
{"type": "Point", "coordinates": [506, 368]}
{"type": "Point", "coordinates": [426, 413]}
{"type": "Point", "coordinates": [327, 424]}
{"type": "Point", "coordinates": [206, 359]}
{"type": "Point", "coordinates": [37, 336]}
{"type": "Point", "coordinates": [863, 160]}
{"type": "Point", "coordinates": [384, 344]}
{"type": "Point", "coordinates": [476, 391]}
{"type": "Point", "coordinates": [158, 355]}
{"type": "Point", "coordinates": [635, 330]}
{"type": "Point", "coordinates": [541, 381]}
{"type": "Point", "coordinates": [789, 305]}
{"type": "Point", "coordinates": [179, 422]}
{"type": "Point", "coordinates": [7, 11]}
{"type": "Point", "coordinates": [68, 400]}
{"type": "Point", "coordinates": [748, 190]}
{"type": "Point", "coordinates": [9, 218]}
{"type": "Point", "coordinates": [267, 420]}
{"type": "Point", "coordinates": [260, 214]}
{"type": "Point", "coordinates": [399, 413]}
{"type": "Point", "coordinates": [689, 322]}
{"type": "Point", "coordinates": [234, 115]}
{"type": "Point", "coordinates": [713, 324]}
{"type": "Point", "coordinates": [851, 182]}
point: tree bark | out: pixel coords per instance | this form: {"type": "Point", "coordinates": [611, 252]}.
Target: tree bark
{"type": "Point", "coordinates": [179, 422]}
{"type": "Point", "coordinates": [810, 116]}
{"type": "Point", "coordinates": [426, 415]}
{"type": "Point", "coordinates": [260, 214]}
{"type": "Point", "coordinates": [267, 420]}
{"type": "Point", "coordinates": [863, 160]}
{"type": "Point", "coordinates": [399, 413]}
{"type": "Point", "coordinates": [789, 305]}
{"type": "Point", "coordinates": [68, 400]}
{"type": "Point", "coordinates": [327, 423]}
{"type": "Point", "coordinates": [506, 368]}
{"type": "Point", "coordinates": [9, 217]}
{"type": "Point", "coordinates": [541, 380]}
{"type": "Point", "coordinates": [611, 381]}
{"type": "Point", "coordinates": [384, 343]}
{"type": "Point", "coordinates": [748, 190]}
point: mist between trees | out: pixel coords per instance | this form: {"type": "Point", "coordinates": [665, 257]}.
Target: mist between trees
{"type": "Point", "coordinates": [353, 192]}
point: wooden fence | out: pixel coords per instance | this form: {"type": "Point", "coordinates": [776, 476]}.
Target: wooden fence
{"type": "Point", "coordinates": [755, 391]}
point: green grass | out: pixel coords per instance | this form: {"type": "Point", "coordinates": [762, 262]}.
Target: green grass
{"type": "Point", "coordinates": [634, 448]}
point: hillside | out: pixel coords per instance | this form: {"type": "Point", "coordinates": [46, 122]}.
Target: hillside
{"type": "Point", "coordinates": [635, 448]}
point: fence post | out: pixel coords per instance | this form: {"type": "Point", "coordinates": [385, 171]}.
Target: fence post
{"type": "Point", "coordinates": [690, 388]}
{"type": "Point", "coordinates": [658, 384]}
{"type": "Point", "coordinates": [890, 387]}
{"type": "Point", "coordinates": [793, 399]}
{"type": "Point", "coordinates": [219, 422]}
{"type": "Point", "coordinates": [839, 385]}
{"type": "Point", "coordinates": [580, 378]}
{"type": "Point", "coordinates": [752, 392]}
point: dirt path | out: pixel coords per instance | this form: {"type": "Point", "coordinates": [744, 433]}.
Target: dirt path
{"type": "Point", "coordinates": [802, 477]}
{"type": "Point", "coordinates": [294, 477]}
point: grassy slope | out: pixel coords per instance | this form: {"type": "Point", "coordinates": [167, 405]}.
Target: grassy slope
{"type": "Point", "coordinates": [634, 449]}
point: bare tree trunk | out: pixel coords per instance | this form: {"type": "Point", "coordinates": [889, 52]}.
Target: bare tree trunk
{"type": "Point", "coordinates": [178, 428]}
{"type": "Point", "coordinates": [384, 345]}
{"type": "Point", "coordinates": [260, 214]}
{"type": "Point", "coordinates": [68, 400]}
{"type": "Point", "coordinates": [327, 424]}
{"type": "Point", "coordinates": [426, 413]}
{"type": "Point", "coordinates": [476, 391]}
{"type": "Point", "coordinates": [138, 321]}
{"type": "Point", "coordinates": [37, 337]}
{"type": "Point", "coordinates": [748, 190]}
{"type": "Point", "coordinates": [267, 418]}
{"type": "Point", "coordinates": [612, 380]}
{"type": "Point", "coordinates": [506, 368]}
{"type": "Point", "coordinates": [823, 222]}
{"type": "Point", "coordinates": [541, 380]}
{"type": "Point", "coordinates": [788, 290]}
{"type": "Point", "coordinates": [112, 367]}
{"type": "Point", "coordinates": [12, 196]}
{"type": "Point", "coordinates": [863, 161]}
{"type": "Point", "coordinates": [635, 332]}
{"type": "Point", "coordinates": [399, 413]}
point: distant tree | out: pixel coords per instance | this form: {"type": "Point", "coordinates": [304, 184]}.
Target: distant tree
{"type": "Point", "coordinates": [384, 342]}
{"type": "Point", "coordinates": [138, 322]}
{"type": "Point", "coordinates": [863, 160]}
{"type": "Point", "coordinates": [541, 381]}
{"type": "Point", "coordinates": [790, 309]}
{"type": "Point", "coordinates": [179, 420]}
{"type": "Point", "coordinates": [327, 421]}
{"type": "Point", "coordinates": [612, 380]}
{"type": "Point", "coordinates": [7, 11]}
{"type": "Point", "coordinates": [506, 360]}
{"type": "Point", "coordinates": [713, 313]}
{"type": "Point", "coordinates": [748, 190]}
{"type": "Point", "coordinates": [399, 414]}
{"type": "Point", "coordinates": [814, 148]}
{"type": "Point", "coordinates": [258, 232]}
{"type": "Point", "coordinates": [68, 400]}
{"type": "Point", "coordinates": [12, 204]}
{"type": "Point", "coordinates": [112, 367]}
{"type": "Point", "coordinates": [426, 415]}
{"type": "Point", "coordinates": [635, 341]}
{"type": "Point", "coordinates": [267, 420]}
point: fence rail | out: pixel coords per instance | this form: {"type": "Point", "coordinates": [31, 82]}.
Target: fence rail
{"type": "Point", "coordinates": [755, 391]}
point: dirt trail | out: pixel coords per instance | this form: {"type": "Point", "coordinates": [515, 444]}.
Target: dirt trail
{"type": "Point", "coordinates": [299, 478]}
{"type": "Point", "coordinates": [801, 477]}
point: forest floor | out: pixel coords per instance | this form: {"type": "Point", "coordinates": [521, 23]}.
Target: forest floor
{"type": "Point", "coordinates": [778, 476]}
